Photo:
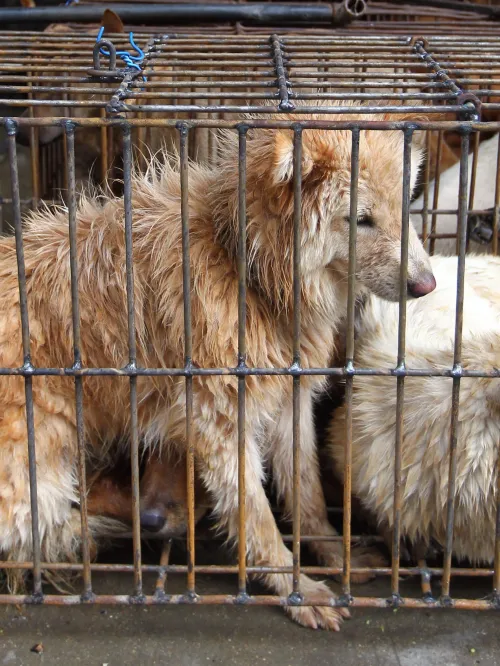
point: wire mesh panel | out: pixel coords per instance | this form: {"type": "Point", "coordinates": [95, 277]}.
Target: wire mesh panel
{"type": "Point", "coordinates": [234, 106]}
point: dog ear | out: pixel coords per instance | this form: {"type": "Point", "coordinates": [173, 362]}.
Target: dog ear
{"type": "Point", "coordinates": [111, 22]}
{"type": "Point", "coordinates": [282, 166]}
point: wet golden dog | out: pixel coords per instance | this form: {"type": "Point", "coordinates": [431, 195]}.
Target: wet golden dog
{"type": "Point", "coordinates": [158, 284]}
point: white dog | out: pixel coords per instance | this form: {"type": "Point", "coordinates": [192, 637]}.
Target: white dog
{"type": "Point", "coordinates": [427, 412]}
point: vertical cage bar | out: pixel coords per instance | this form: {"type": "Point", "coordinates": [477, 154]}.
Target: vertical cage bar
{"type": "Point", "coordinates": [457, 365]}
{"type": "Point", "coordinates": [65, 111]}
{"type": "Point", "coordinates": [132, 364]}
{"type": "Point", "coordinates": [497, 202]}
{"type": "Point", "coordinates": [349, 360]}
{"type": "Point", "coordinates": [108, 161]}
{"type": "Point", "coordinates": [42, 152]}
{"type": "Point", "coordinates": [62, 174]}
{"type": "Point", "coordinates": [35, 162]}
{"type": "Point", "coordinates": [425, 211]}
{"type": "Point", "coordinates": [435, 199]}
{"type": "Point", "coordinates": [28, 381]}
{"type": "Point", "coordinates": [242, 313]}
{"type": "Point", "coordinates": [188, 354]}
{"type": "Point", "coordinates": [297, 212]}
{"type": "Point", "coordinates": [403, 292]}
{"type": "Point", "coordinates": [472, 188]}
{"type": "Point", "coordinates": [161, 579]}
{"type": "Point", "coordinates": [77, 359]}
{"type": "Point", "coordinates": [103, 140]}
{"type": "Point", "coordinates": [34, 150]}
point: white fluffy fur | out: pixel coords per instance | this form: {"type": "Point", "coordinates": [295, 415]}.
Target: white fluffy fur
{"type": "Point", "coordinates": [427, 411]}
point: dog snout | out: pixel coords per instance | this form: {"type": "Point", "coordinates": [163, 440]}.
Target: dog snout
{"type": "Point", "coordinates": [422, 286]}
{"type": "Point", "coordinates": [152, 520]}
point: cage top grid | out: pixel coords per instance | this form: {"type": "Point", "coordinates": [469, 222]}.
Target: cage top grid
{"type": "Point", "coordinates": [265, 74]}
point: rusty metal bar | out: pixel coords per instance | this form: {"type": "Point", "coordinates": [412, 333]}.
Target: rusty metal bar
{"type": "Point", "coordinates": [296, 443]}
{"type": "Point", "coordinates": [349, 363]}
{"type": "Point", "coordinates": [472, 188]}
{"type": "Point", "coordinates": [242, 313]}
{"type": "Point", "coordinates": [132, 364]}
{"type": "Point", "coordinates": [435, 200]}
{"type": "Point", "coordinates": [256, 570]}
{"type": "Point", "coordinates": [11, 128]}
{"type": "Point", "coordinates": [77, 358]}
{"type": "Point", "coordinates": [188, 355]}
{"type": "Point", "coordinates": [401, 364]}
{"type": "Point", "coordinates": [260, 600]}
{"type": "Point", "coordinates": [457, 364]}
{"type": "Point", "coordinates": [246, 371]}
{"type": "Point", "coordinates": [425, 210]}
{"type": "Point", "coordinates": [34, 153]}
{"type": "Point", "coordinates": [282, 81]}
{"type": "Point", "coordinates": [162, 575]}
{"type": "Point", "coordinates": [425, 581]}
{"type": "Point", "coordinates": [444, 125]}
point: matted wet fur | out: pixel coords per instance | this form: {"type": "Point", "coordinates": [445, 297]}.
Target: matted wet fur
{"type": "Point", "coordinates": [430, 330]}
{"type": "Point", "coordinates": [213, 213]}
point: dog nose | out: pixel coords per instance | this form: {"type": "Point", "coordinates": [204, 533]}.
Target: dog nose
{"type": "Point", "coordinates": [423, 286]}
{"type": "Point", "coordinates": [152, 520]}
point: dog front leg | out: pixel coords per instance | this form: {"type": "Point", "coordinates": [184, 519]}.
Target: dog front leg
{"type": "Point", "coordinates": [217, 456]}
{"type": "Point", "coordinates": [313, 513]}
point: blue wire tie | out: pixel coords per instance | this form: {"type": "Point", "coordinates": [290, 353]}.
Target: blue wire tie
{"type": "Point", "coordinates": [129, 59]}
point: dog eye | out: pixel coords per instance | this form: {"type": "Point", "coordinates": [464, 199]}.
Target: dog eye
{"type": "Point", "coordinates": [365, 221]}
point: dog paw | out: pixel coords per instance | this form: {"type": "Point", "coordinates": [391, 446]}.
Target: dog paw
{"type": "Point", "coordinates": [319, 617]}
{"type": "Point", "coordinates": [362, 558]}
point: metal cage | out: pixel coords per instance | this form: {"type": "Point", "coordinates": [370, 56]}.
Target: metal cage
{"type": "Point", "coordinates": [188, 85]}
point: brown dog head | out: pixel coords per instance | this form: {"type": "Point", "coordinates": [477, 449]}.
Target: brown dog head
{"type": "Point", "coordinates": [164, 502]}
{"type": "Point", "coordinates": [326, 180]}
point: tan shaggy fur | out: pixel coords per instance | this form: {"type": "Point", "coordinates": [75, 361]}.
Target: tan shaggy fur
{"type": "Point", "coordinates": [213, 206]}
{"type": "Point", "coordinates": [427, 412]}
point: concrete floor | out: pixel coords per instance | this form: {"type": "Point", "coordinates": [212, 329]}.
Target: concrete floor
{"type": "Point", "coordinates": [197, 636]}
